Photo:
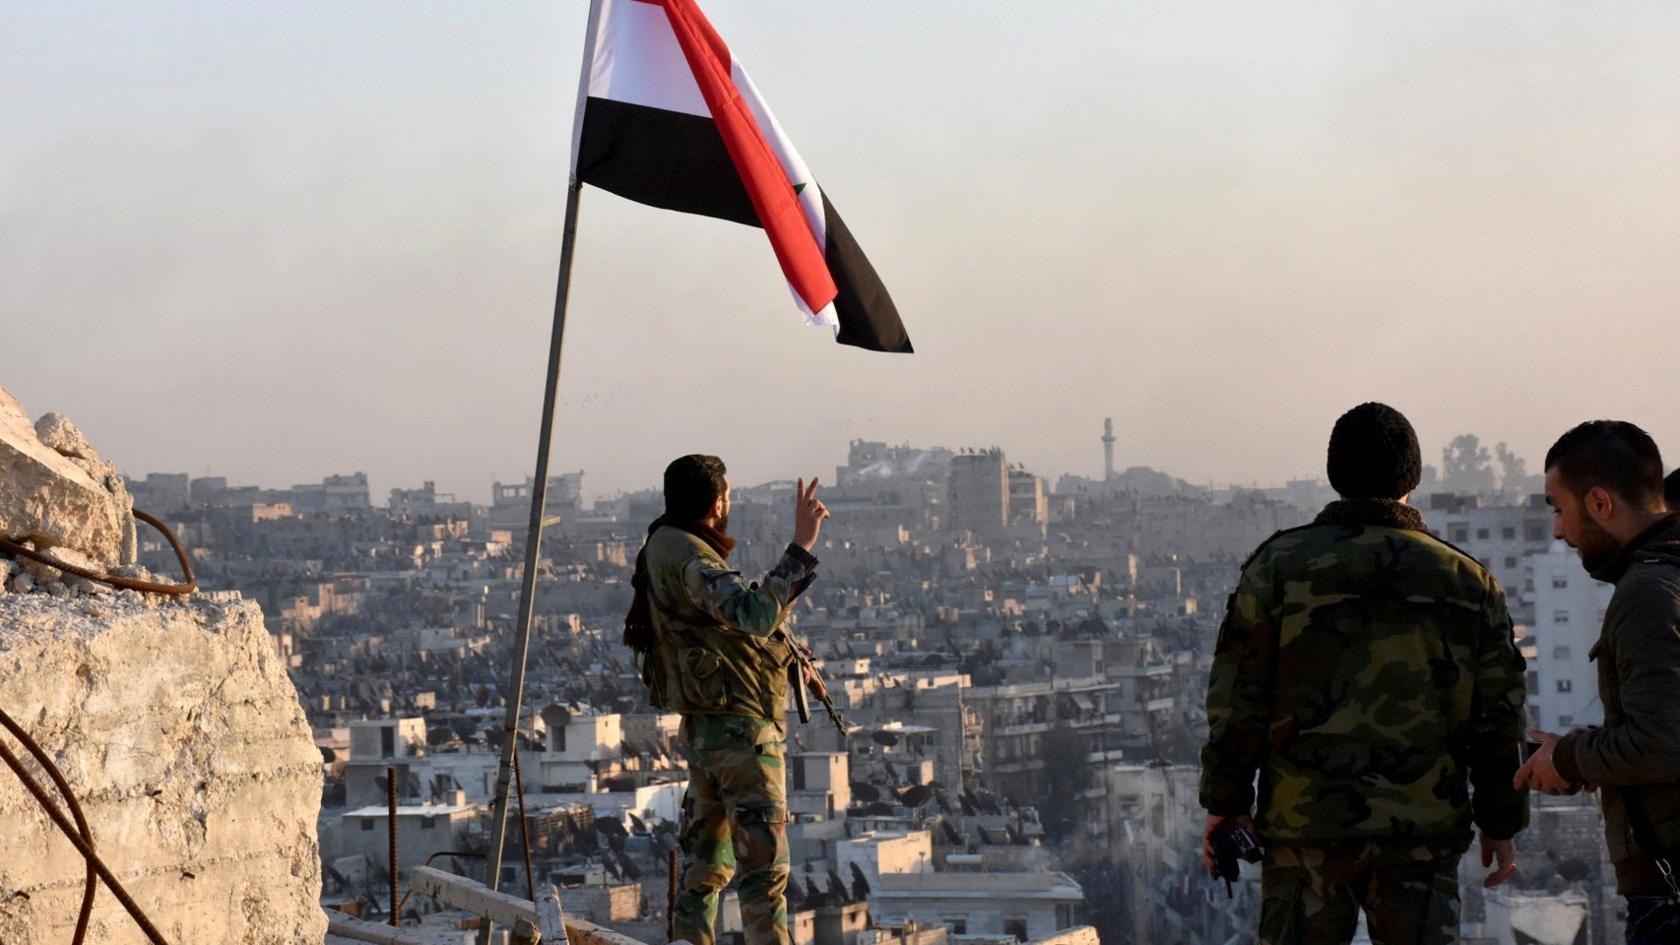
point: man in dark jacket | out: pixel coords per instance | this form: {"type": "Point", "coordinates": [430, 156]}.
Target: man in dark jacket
{"type": "Point", "coordinates": [1604, 483]}
{"type": "Point", "coordinates": [1366, 672]}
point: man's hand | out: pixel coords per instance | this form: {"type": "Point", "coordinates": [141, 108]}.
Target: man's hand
{"type": "Point", "coordinates": [1505, 852]}
{"type": "Point", "coordinates": [1215, 822]}
{"type": "Point", "coordinates": [814, 682]}
{"type": "Point", "coordinates": [808, 514]}
{"type": "Point", "coordinates": [1539, 773]}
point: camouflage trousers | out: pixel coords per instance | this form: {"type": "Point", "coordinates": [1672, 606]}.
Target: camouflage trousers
{"type": "Point", "coordinates": [734, 821]}
{"type": "Point", "coordinates": [1313, 894]}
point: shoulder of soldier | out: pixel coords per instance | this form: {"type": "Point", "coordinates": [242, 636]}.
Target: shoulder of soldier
{"type": "Point", "coordinates": [1455, 557]}
{"type": "Point", "coordinates": [1321, 538]}
{"type": "Point", "coordinates": [1281, 542]}
{"type": "Point", "coordinates": [675, 548]}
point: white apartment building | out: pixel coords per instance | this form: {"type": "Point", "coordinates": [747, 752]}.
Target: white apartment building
{"type": "Point", "coordinates": [1568, 613]}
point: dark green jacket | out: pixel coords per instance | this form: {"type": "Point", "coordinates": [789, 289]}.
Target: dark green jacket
{"type": "Point", "coordinates": [1636, 752]}
{"type": "Point", "coordinates": [1366, 672]}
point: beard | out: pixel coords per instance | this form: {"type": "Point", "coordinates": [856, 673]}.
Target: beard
{"type": "Point", "coordinates": [1596, 546]}
{"type": "Point", "coordinates": [723, 523]}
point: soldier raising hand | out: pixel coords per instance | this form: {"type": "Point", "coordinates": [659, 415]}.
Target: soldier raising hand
{"type": "Point", "coordinates": [711, 651]}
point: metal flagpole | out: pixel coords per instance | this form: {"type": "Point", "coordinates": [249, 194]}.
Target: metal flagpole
{"type": "Point", "coordinates": [539, 485]}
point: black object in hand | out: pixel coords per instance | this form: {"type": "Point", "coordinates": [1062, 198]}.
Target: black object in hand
{"type": "Point", "coordinates": [1231, 844]}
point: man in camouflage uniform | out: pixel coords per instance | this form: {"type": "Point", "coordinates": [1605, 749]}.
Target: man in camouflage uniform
{"type": "Point", "coordinates": [720, 658]}
{"type": "Point", "coordinates": [1366, 672]}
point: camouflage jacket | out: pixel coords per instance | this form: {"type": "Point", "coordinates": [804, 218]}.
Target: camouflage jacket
{"type": "Point", "coordinates": [1367, 672]}
{"type": "Point", "coordinates": [715, 648]}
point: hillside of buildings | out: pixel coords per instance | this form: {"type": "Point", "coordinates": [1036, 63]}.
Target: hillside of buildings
{"type": "Point", "coordinates": [1022, 665]}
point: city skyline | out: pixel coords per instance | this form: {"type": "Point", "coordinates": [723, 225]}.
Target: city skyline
{"type": "Point", "coordinates": [379, 490]}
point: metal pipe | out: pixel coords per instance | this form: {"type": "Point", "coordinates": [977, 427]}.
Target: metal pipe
{"type": "Point", "coordinates": [671, 895]}
{"type": "Point", "coordinates": [539, 485]}
{"type": "Point", "coordinates": [131, 584]}
{"type": "Point", "coordinates": [92, 883]}
{"type": "Point", "coordinates": [391, 833]}
{"type": "Point", "coordinates": [81, 846]}
{"type": "Point", "coordinates": [524, 828]}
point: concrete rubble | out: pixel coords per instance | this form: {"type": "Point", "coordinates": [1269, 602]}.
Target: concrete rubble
{"type": "Point", "coordinates": [56, 491]}
{"type": "Point", "coordinates": [179, 732]}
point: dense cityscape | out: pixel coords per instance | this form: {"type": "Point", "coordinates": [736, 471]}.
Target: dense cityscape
{"type": "Point", "coordinates": [1021, 666]}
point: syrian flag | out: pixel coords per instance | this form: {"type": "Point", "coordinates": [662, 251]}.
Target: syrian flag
{"type": "Point", "coordinates": [671, 120]}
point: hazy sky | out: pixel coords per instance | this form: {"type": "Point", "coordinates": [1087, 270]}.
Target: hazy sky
{"type": "Point", "coordinates": [280, 240]}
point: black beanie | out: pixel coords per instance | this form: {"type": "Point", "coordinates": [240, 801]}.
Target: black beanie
{"type": "Point", "coordinates": [1374, 454]}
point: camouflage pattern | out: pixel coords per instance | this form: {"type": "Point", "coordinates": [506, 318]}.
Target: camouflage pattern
{"type": "Point", "coordinates": [1367, 673]}
{"type": "Point", "coordinates": [1314, 894]}
{"type": "Point", "coordinates": [721, 662]}
{"type": "Point", "coordinates": [715, 649]}
{"type": "Point", "coordinates": [734, 820]}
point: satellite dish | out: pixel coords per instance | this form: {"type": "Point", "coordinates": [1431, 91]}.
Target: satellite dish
{"type": "Point", "coordinates": [556, 716]}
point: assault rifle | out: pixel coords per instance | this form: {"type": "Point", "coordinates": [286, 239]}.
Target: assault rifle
{"type": "Point", "coordinates": [801, 697]}
{"type": "Point", "coordinates": [796, 676]}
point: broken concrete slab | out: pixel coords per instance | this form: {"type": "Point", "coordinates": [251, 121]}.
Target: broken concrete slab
{"type": "Point", "coordinates": [57, 492]}
{"type": "Point", "coordinates": [180, 734]}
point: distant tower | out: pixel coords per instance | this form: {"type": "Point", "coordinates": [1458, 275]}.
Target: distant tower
{"type": "Point", "coordinates": [1108, 447]}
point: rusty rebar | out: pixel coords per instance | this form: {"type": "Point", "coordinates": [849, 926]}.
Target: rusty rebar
{"type": "Point", "coordinates": [75, 811]}
{"type": "Point", "coordinates": [82, 846]}
{"type": "Point", "coordinates": [524, 828]}
{"type": "Point", "coordinates": [128, 584]}
{"type": "Point", "coordinates": [391, 833]}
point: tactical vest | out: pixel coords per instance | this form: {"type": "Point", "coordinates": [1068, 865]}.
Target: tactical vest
{"type": "Point", "coordinates": [701, 666]}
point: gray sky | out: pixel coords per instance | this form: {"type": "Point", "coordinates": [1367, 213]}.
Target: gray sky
{"type": "Point", "coordinates": [285, 239]}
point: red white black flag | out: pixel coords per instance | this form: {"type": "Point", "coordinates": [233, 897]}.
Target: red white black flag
{"type": "Point", "coordinates": [671, 120]}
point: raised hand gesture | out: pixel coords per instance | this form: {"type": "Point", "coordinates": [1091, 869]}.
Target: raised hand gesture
{"type": "Point", "coordinates": [808, 514]}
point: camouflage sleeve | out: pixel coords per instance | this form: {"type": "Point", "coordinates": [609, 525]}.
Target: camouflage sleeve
{"type": "Point", "coordinates": [1239, 694]}
{"type": "Point", "coordinates": [756, 608]}
{"type": "Point", "coordinates": [1496, 724]}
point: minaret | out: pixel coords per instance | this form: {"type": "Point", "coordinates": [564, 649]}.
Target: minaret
{"type": "Point", "coordinates": [1108, 448]}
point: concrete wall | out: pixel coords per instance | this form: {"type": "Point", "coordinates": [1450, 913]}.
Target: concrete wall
{"type": "Point", "coordinates": [179, 732]}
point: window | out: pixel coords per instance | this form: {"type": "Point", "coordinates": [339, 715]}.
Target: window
{"type": "Point", "coordinates": [1560, 652]}
{"type": "Point", "coordinates": [1482, 534]}
{"type": "Point", "coordinates": [799, 774]}
{"type": "Point", "coordinates": [1560, 582]}
{"type": "Point", "coordinates": [957, 924]}
{"type": "Point", "coordinates": [1017, 927]}
{"type": "Point", "coordinates": [1509, 534]}
{"type": "Point", "coordinates": [387, 742]}
{"type": "Point", "coordinates": [428, 823]}
{"type": "Point", "coordinates": [1458, 533]}
{"type": "Point", "coordinates": [1565, 721]}
{"type": "Point", "coordinates": [1534, 531]}
{"type": "Point", "coordinates": [367, 823]}
{"type": "Point", "coordinates": [1560, 616]}
{"type": "Point", "coordinates": [1510, 562]}
{"type": "Point", "coordinates": [1565, 685]}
